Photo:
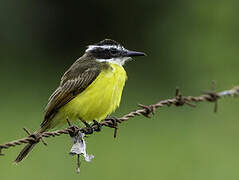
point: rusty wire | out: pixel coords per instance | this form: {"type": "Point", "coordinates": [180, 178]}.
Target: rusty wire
{"type": "Point", "coordinates": [147, 111]}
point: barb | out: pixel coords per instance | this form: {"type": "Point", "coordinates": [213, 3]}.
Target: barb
{"type": "Point", "coordinates": [144, 110]}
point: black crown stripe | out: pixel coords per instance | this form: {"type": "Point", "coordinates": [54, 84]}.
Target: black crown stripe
{"type": "Point", "coordinates": [108, 42]}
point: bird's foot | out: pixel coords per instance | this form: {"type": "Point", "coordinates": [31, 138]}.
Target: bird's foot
{"type": "Point", "coordinates": [96, 126]}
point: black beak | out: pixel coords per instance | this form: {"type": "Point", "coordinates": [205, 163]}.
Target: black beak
{"type": "Point", "coordinates": [133, 54]}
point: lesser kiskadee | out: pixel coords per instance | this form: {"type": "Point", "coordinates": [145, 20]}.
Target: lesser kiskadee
{"type": "Point", "coordinates": [89, 90]}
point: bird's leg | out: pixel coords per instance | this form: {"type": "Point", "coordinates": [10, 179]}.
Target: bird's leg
{"type": "Point", "coordinates": [97, 125]}
{"type": "Point", "coordinates": [90, 130]}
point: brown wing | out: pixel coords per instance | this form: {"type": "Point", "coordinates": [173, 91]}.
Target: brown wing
{"type": "Point", "coordinates": [80, 75]}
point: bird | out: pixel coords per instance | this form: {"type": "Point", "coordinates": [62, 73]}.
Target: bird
{"type": "Point", "coordinates": [89, 90]}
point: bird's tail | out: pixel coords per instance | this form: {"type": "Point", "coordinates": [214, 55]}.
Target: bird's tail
{"type": "Point", "coordinates": [24, 152]}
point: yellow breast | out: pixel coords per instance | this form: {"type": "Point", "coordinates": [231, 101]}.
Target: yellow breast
{"type": "Point", "coordinates": [98, 100]}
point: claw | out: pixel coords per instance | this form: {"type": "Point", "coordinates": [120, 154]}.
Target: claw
{"type": "Point", "coordinates": [97, 125]}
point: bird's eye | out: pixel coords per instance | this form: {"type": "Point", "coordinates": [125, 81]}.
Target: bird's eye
{"type": "Point", "coordinates": [113, 51]}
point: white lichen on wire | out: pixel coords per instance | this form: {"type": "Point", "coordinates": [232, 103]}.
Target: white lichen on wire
{"type": "Point", "coordinates": [79, 148]}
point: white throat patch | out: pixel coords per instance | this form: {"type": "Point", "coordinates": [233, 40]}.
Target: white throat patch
{"type": "Point", "coordinates": [120, 60]}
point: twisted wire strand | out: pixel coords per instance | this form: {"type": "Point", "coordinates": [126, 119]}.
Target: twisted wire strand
{"type": "Point", "coordinates": [144, 110]}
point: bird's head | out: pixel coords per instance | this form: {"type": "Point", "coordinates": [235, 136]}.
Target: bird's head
{"type": "Point", "coordinates": [111, 51]}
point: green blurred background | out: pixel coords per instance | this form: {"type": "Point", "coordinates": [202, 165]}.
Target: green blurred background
{"type": "Point", "coordinates": [189, 44]}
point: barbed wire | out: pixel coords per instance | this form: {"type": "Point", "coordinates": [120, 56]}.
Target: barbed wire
{"type": "Point", "coordinates": [112, 122]}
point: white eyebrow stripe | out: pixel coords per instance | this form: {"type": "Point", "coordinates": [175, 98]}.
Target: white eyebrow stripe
{"type": "Point", "coordinates": [91, 47]}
